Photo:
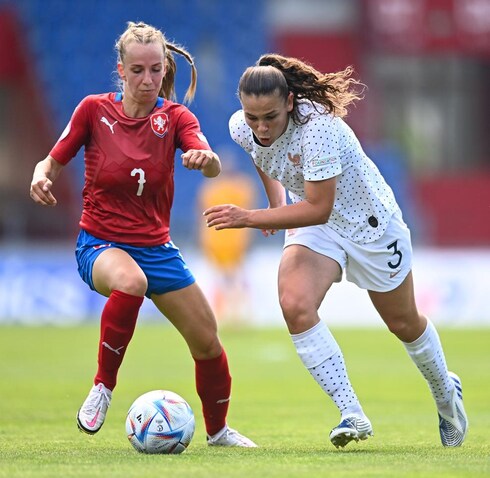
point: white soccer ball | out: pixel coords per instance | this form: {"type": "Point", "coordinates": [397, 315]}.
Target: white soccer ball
{"type": "Point", "coordinates": [160, 422]}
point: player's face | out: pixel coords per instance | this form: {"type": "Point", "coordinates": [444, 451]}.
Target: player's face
{"type": "Point", "coordinates": [143, 71]}
{"type": "Point", "coordinates": [267, 115]}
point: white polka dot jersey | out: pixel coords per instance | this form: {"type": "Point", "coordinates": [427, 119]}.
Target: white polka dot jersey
{"type": "Point", "coordinates": [322, 148]}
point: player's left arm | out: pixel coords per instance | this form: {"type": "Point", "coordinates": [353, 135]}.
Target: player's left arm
{"type": "Point", "coordinates": [198, 154]}
{"type": "Point", "coordinates": [206, 161]}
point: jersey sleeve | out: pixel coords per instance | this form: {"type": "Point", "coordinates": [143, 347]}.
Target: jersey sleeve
{"type": "Point", "coordinates": [320, 146]}
{"type": "Point", "coordinates": [240, 131]}
{"type": "Point", "coordinates": [189, 134]}
{"type": "Point", "coordinates": [75, 135]}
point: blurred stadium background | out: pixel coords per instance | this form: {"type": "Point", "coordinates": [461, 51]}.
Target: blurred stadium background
{"type": "Point", "coordinates": [424, 120]}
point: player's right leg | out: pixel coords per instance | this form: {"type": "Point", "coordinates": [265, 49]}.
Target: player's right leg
{"type": "Point", "coordinates": [304, 278]}
{"type": "Point", "coordinates": [113, 273]}
{"type": "Point", "coordinates": [92, 413]}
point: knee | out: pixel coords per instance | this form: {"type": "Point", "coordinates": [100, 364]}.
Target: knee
{"type": "Point", "coordinates": [397, 325]}
{"type": "Point", "coordinates": [132, 283]}
{"type": "Point", "coordinates": [407, 327]}
{"type": "Point", "coordinates": [291, 305]}
{"type": "Point", "coordinates": [297, 312]}
{"type": "Point", "coordinates": [206, 348]}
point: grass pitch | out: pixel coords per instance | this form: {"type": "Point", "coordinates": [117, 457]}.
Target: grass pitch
{"type": "Point", "coordinates": [46, 373]}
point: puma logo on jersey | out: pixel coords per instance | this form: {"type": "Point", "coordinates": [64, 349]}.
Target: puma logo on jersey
{"type": "Point", "coordinates": [106, 122]}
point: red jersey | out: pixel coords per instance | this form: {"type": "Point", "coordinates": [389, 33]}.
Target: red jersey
{"type": "Point", "coordinates": [129, 166]}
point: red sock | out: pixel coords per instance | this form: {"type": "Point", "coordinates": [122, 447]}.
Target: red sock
{"type": "Point", "coordinates": [213, 384]}
{"type": "Point", "coordinates": [116, 329]}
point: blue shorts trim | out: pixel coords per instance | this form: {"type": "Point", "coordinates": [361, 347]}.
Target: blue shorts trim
{"type": "Point", "coordinates": [163, 266]}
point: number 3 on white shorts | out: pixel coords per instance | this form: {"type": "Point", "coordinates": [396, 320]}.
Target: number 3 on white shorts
{"type": "Point", "coordinates": [141, 180]}
{"type": "Point", "coordinates": [396, 252]}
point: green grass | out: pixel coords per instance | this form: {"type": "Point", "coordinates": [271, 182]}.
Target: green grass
{"type": "Point", "coordinates": [46, 373]}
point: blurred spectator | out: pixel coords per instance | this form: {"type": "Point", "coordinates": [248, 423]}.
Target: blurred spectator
{"type": "Point", "coordinates": [226, 250]}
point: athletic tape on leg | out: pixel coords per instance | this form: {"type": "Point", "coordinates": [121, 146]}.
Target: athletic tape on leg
{"type": "Point", "coordinates": [315, 345]}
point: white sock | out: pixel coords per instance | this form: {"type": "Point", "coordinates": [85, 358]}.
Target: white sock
{"type": "Point", "coordinates": [321, 355]}
{"type": "Point", "coordinates": [428, 356]}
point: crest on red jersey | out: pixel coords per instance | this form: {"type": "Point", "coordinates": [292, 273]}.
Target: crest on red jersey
{"type": "Point", "coordinates": [159, 124]}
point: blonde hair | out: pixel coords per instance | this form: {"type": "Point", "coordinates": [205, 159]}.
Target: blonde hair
{"type": "Point", "coordinates": [275, 73]}
{"type": "Point", "coordinates": [142, 33]}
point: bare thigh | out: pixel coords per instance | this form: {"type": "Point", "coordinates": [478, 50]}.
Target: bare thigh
{"type": "Point", "coordinates": [189, 311]}
{"type": "Point", "coordinates": [399, 311]}
{"type": "Point", "coordinates": [304, 278]}
{"type": "Point", "coordinates": [115, 269]}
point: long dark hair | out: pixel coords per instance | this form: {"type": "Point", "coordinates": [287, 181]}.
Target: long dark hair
{"type": "Point", "coordinates": [274, 73]}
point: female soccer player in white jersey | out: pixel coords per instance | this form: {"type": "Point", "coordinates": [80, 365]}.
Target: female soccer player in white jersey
{"type": "Point", "coordinates": [124, 250]}
{"type": "Point", "coordinates": [343, 216]}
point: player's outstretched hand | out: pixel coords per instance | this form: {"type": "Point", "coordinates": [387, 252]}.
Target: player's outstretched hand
{"type": "Point", "coordinates": [41, 192]}
{"type": "Point", "coordinates": [226, 216]}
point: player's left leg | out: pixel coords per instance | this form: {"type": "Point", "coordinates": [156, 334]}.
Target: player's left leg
{"type": "Point", "coordinates": [421, 340]}
{"type": "Point", "coordinates": [189, 311]}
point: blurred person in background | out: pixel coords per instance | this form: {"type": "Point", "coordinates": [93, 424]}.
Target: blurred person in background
{"type": "Point", "coordinates": [124, 250]}
{"type": "Point", "coordinates": [343, 216]}
{"type": "Point", "coordinates": [226, 250]}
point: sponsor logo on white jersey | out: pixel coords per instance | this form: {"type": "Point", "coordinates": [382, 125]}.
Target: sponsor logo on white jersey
{"type": "Point", "coordinates": [323, 161]}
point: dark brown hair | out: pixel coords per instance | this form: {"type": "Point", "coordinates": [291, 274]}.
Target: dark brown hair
{"type": "Point", "coordinates": [276, 74]}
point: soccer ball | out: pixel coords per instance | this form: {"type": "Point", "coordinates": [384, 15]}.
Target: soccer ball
{"type": "Point", "coordinates": [160, 422]}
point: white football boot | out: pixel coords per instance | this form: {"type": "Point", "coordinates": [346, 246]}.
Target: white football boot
{"type": "Point", "coordinates": [229, 437]}
{"type": "Point", "coordinates": [352, 427]}
{"type": "Point", "coordinates": [91, 415]}
{"type": "Point", "coordinates": [453, 427]}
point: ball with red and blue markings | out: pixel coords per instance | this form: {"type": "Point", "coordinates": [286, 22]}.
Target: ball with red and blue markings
{"type": "Point", "coordinates": [160, 422]}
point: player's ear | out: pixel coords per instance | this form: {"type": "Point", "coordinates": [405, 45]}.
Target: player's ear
{"type": "Point", "coordinates": [120, 70]}
{"type": "Point", "coordinates": [290, 102]}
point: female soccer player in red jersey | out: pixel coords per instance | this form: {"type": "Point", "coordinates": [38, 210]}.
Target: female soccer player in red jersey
{"type": "Point", "coordinates": [124, 250]}
{"type": "Point", "coordinates": [343, 216]}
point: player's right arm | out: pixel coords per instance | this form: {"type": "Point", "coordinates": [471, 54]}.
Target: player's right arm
{"type": "Point", "coordinates": [76, 133]}
{"type": "Point", "coordinates": [45, 173]}
{"type": "Point", "coordinates": [276, 194]}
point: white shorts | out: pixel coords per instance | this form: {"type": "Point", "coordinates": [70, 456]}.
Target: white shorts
{"type": "Point", "coordinates": [380, 266]}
